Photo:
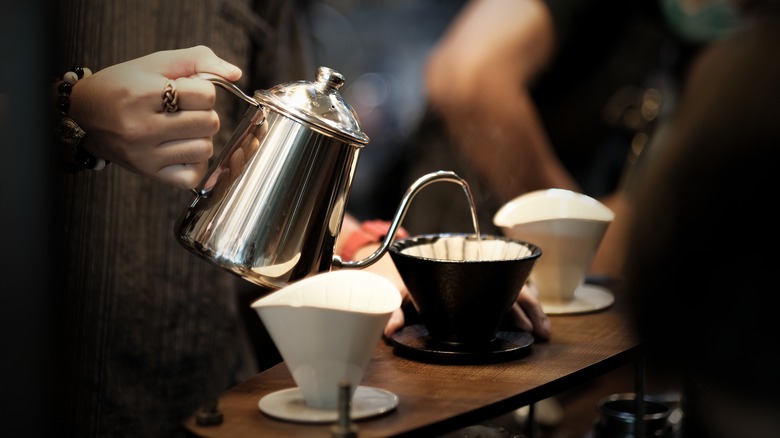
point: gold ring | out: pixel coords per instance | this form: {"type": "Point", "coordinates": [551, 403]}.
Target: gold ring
{"type": "Point", "coordinates": [170, 97]}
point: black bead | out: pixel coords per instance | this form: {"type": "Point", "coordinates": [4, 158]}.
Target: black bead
{"type": "Point", "coordinates": [63, 103]}
{"type": "Point", "coordinates": [84, 158]}
{"type": "Point", "coordinates": [79, 71]}
{"type": "Point", "coordinates": [65, 88]}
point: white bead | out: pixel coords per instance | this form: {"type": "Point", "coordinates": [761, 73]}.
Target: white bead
{"type": "Point", "coordinates": [70, 77]}
{"type": "Point", "coordinates": [101, 163]}
{"type": "Point", "coordinates": [87, 72]}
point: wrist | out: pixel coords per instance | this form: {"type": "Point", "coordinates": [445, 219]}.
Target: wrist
{"type": "Point", "coordinates": [68, 133]}
{"type": "Point", "coordinates": [369, 232]}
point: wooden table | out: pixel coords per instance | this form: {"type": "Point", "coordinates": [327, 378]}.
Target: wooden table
{"type": "Point", "coordinates": [438, 398]}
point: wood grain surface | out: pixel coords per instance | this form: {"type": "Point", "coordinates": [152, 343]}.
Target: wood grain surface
{"type": "Point", "coordinates": [437, 398]}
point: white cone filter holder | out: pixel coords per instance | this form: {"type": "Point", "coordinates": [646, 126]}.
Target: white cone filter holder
{"type": "Point", "coordinates": [569, 227]}
{"type": "Point", "coordinates": [326, 328]}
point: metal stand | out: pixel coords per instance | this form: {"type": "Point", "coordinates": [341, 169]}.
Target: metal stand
{"type": "Point", "coordinates": [639, 381]}
{"type": "Point", "coordinates": [344, 427]}
{"type": "Point", "coordinates": [530, 422]}
{"type": "Point", "coordinates": [209, 414]}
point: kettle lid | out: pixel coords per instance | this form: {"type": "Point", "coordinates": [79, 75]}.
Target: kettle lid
{"type": "Point", "coordinates": [319, 104]}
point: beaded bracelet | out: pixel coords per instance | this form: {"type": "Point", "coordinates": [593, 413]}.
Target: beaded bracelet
{"type": "Point", "coordinates": [68, 131]}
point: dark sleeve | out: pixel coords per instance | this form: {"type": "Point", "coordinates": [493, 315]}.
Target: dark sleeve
{"type": "Point", "coordinates": [602, 48]}
{"type": "Point", "coordinates": [585, 19]}
{"type": "Point", "coordinates": [703, 249]}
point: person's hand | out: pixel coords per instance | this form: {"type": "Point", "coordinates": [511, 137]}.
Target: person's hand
{"type": "Point", "coordinates": [527, 314]}
{"type": "Point", "coordinates": [121, 110]}
{"type": "Point", "coordinates": [386, 268]}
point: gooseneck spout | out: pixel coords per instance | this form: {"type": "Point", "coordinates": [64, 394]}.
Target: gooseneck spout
{"type": "Point", "coordinates": [422, 182]}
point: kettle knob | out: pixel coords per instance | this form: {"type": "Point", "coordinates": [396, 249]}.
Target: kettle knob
{"type": "Point", "coordinates": [327, 78]}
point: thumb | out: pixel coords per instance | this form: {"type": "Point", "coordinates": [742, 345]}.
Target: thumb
{"type": "Point", "coordinates": [395, 323]}
{"type": "Point", "coordinates": [198, 59]}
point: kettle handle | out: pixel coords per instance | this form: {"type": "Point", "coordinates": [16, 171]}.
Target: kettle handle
{"type": "Point", "coordinates": [423, 181]}
{"type": "Point", "coordinates": [201, 191]}
{"type": "Point", "coordinates": [224, 83]}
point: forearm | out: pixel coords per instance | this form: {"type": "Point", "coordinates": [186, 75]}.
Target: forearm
{"type": "Point", "coordinates": [502, 137]}
{"type": "Point", "coordinates": [478, 80]}
{"type": "Point", "coordinates": [488, 38]}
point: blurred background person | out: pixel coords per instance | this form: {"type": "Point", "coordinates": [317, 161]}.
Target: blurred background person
{"type": "Point", "coordinates": [536, 94]}
{"type": "Point", "coordinates": [702, 248]}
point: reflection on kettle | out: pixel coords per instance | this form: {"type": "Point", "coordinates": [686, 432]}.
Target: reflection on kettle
{"type": "Point", "coordinates": [222, 177]}
{"type": "Point", "coordinates": [270, 207]}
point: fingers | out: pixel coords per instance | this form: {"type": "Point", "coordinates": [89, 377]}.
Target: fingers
{"type": "Point", "coordinates": [519, 319]}
{"type": "Point", "coordinates": [531, 311]}
{"type": "Point", "coordinates": [184, 124]}
{"type": "Point", "coordinates": [184, 143]}
{"type": "Point", "coordinates": [187, 62]}
{"type": "Point", "coordinates": [193, 94]}
{"type": "Point", "coordinates": [527, 314]}
{"type": "Point", "coordinates": [208, 62]}
{"type": "Point", "coordinates": [183, 176]}
{"type": "Point", "coordinates": [189, 151]}
{"type": "Point", "coordinates": [395, 323]}
{"type": "Point", "coordinates": [180, 163]}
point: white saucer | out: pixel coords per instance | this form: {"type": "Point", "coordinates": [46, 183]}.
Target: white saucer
{"type": "Point", "coordinates": [587, 298]}
{"type": "Point", "coordinates": [288, 404]}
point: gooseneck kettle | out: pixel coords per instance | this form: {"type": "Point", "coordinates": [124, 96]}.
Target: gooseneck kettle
{"type": "Point", "coordinates": [270, 207]}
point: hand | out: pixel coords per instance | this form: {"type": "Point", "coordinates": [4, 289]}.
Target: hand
{"type": "Point", "coordinates": [386, 268]}
{"type": "Point", "coordinates": [121, 110]}
{"type": "Point", "coordinates": [527, 314]}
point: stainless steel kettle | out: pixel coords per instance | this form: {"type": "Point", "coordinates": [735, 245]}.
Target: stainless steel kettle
{"type": "Point", "coordinates": [270, 207]}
